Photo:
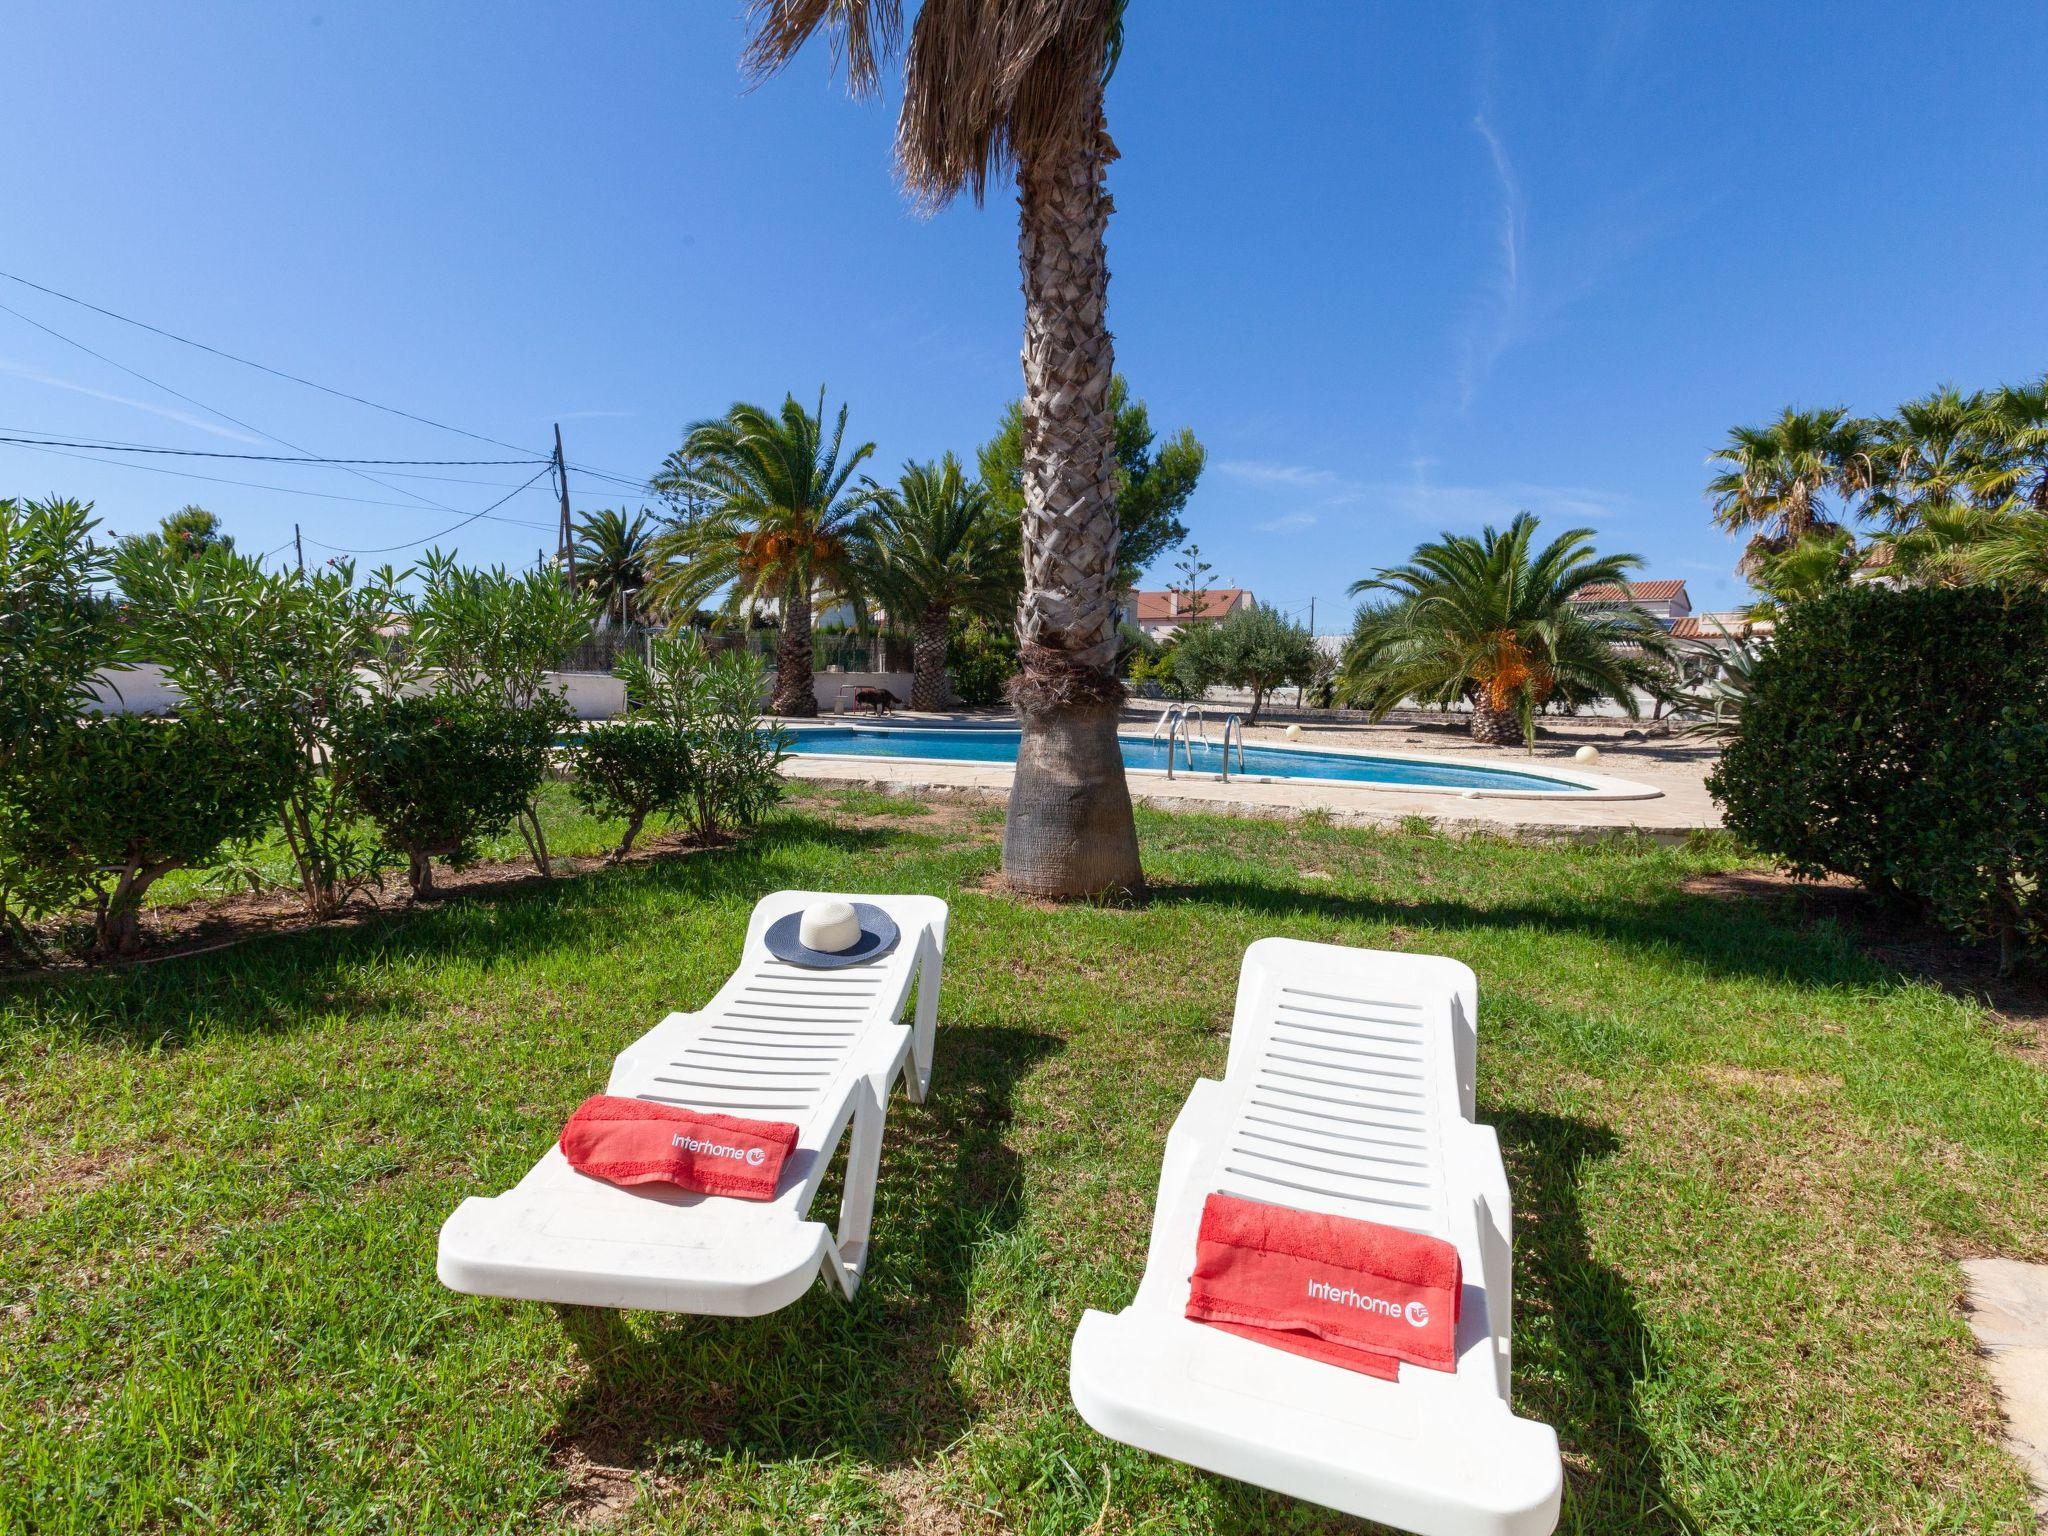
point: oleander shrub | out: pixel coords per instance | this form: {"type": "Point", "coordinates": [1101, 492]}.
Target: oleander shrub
{"type": "Point", "coordinates": [56, 632]}
{"type": "Point", "coordinates": [108, 804]}
{"type": "Point", "coordinates": [1901, 738]}
{"type": "Point", "coordinates": [291, 648]}
{"type": "Point", "coordinates": [633, 769]}
{"type": "Point", "coordinates": [706, 701]}
{"type": "Point", "coordinates": [441, 771]}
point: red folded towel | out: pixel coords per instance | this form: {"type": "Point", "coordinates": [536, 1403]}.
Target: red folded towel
{"type": "Point", "coordinates": [631, 1141]}
{"type": "Point", "coordinates": [1340, 1290]}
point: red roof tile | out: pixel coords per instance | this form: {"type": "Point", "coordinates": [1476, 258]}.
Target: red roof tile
{"type": "Point", "coordinates": [1659, 591]}
{"type": "Point", "coordinates": [1159, 607]}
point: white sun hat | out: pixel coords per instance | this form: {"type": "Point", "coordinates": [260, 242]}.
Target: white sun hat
{"type": "Point", "coordinates": [829, 934]}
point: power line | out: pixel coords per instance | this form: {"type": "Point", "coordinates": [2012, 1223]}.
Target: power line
{"type": "Point", "coordinates": [261, 458]}
{"type": "Point", "coordinates": [339, 394]}
{"type": "Point", "coordinates": [215, 410]}
{"type": "Point", "coordinates": [385, 549]}
{"type": "Point", "coordinates": [115, 444]}
{"type": "Point", "coordinates": [257, 485]}
{"type": "Point", "coordinates": [280, 373]}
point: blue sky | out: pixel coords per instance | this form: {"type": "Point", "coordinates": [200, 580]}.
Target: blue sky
{"type": "Point", "coordinates": [1402, 268]}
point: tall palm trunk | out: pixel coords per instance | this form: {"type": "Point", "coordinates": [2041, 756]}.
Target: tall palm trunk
{"type": "Point", "coordinates": [794, 694]}
{"type": "Point", "coordinates": [928, 684]}
{"type": "Point", "coordinates": [1069, 830]}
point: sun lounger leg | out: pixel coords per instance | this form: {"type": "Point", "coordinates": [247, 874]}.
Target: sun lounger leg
{"type": "Point", "coordinates": [917, 1071]}
{"type": "Point", "coordinates": [849, 1261]}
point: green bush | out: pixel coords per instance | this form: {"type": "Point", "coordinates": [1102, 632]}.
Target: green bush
{"type": "Point", "coordinates": [633, 769]}
{"type": "Point", "coordinates": [284, 647]}
{"type": "Point", "coordinates": [1253, 648]}
{"type": "Point", "coordinates": [1901, 738]}
{"type": "Point", "coordinates": [439, 772]}
{"type": "Point", "coordinates": [108, 804]}
{"type": "Point", "coordinates": [55, 633]}
{"type": "Point", "coordinates": [982, 658]}
{"type": "Point", "coordinates": [705, 702]}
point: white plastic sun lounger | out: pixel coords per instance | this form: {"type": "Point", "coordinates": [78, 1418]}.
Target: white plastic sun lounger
{"type": "Point", "coordinates": [779, 1042]}
{"type": "Point", "coordinates": [1348, 1092]}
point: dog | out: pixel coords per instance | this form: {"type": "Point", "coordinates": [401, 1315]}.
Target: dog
{"type": "Point", "coordinates": [877, 699]}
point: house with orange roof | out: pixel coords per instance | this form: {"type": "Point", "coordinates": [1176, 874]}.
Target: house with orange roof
{"type": "Point", "coordinates": [1666, 601]}
{"type": "Point", "coordinates": [1162, 615]}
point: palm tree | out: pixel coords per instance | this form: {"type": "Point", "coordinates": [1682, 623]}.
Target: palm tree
{"type": "Point", "coordinates": [611, 562]}
{"type": "Point", "coordinates": [774, 530]}
{"type": "Point", "coordinates": [2016, 423]}
{"type": "Point", "coordinates": [1928, 455]}
{"type": "Point", "coordinates": [1813, 567]}
{"type": "Point", "coordinates": [1776, 478]}
{"type": "Point", "coordinates": [2016, 552]}
{"type": "Point", "coordinates": [992, 86]}
{"type": "Point", "coordinates": [1947, 545]}
{"type": "Point", "coordinates": [1485, 620]}
{"type": "Point", "coordinates": [933, 546]}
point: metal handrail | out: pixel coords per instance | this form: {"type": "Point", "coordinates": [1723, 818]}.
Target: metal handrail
{"type": "Point", "coordinates": [1233, 724]}
{"type": "Point", "coordinates": [1167, 716]}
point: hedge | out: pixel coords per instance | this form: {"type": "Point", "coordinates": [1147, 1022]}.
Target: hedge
{"type": "Point", "coordinates": [1901, 738]}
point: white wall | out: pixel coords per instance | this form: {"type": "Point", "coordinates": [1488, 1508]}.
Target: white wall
{"type": "Point", "coordinates": [592, 695]}
{"type": "Point", "coordinates": [827, 687]}
{"type": "Point", "coordinates": [139, 690]}
{"type": "Point", "coordinates": [143, 690]}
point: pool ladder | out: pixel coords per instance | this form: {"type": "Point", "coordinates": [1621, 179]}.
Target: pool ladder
{"type": "Point", "coordinates": [1233, 726]}
{"type": "Point", "coordinates": [1179, 722]}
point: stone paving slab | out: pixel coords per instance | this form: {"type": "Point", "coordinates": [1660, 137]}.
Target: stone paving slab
{"type": "Point", "coordinates": [2009, 1315]}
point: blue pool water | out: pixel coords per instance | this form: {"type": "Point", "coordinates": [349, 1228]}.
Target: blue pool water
{"type": "Point", "coordinates": [998, 746]}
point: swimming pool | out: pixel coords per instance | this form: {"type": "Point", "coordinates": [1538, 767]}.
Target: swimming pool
{"type": "Point", "coordinates": [927, 744]}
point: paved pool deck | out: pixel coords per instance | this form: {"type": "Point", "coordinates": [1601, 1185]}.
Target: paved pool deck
{"type": "Point", "coordinates": [1675, 768]}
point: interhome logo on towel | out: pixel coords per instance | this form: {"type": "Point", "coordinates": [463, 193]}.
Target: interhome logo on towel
{"type": "Point", "coordinates": [753, 1157]}
{"type": "Point", "coordinates": [1415, 1313]}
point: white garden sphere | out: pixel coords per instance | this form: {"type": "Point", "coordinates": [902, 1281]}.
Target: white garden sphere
{"type": "Point", "coordinates": [1294, 733]}
{"type": "Point", "coordinates": [1586, 754]}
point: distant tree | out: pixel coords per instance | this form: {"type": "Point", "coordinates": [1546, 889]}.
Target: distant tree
{"type": "Point", "coordinates": [612, 553]}
{"type": "Point", "coordinates": [187, 532]}
{"type": "Point", "coordinates": [1253, 648]}
{"type": "Point", "coordinates": [776, 528]}
{"type": "Point", "coordinates": [1152, 484]}
{"type": "Point", "coordinates": [1797, 475]}
{"type": "Point", "coordinates": [2017, 552]}
{"type": "Point", "coordinates": [2016, 471]}
{"type": "Point", "coordinates": [1818, 564]}
{"type": "Point", "coordinates": [1928, 454]}
{"type": "Point", "coordinates": [1192, 588]}
{"type": "Point", "coordinates": [931, 547]}
{"type": "Point", "coordinates": [683, 495]}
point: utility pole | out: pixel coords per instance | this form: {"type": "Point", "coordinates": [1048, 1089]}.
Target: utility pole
{"type": "Point", "coordinates": [568, 542]}
{"type": "Point", "coordinates": [300, 546]}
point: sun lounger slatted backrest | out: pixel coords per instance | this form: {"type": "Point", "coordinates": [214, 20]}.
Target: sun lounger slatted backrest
{"type": "Point", "coordinates": [781, 1039]}
{"type": "Point", "coordinates": [1342, 1110]}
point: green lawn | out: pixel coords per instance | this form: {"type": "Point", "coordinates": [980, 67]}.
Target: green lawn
{"type": "Point", "coordinates": [1744, 1158]}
